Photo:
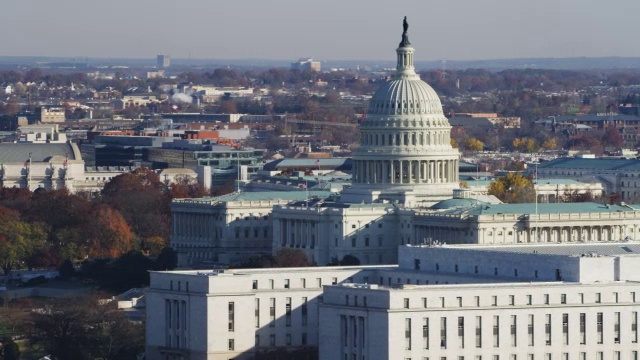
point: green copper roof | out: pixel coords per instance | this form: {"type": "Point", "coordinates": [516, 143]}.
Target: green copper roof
{"type": "Point", "coordinates": [267, 195]}
{"type": "Point", "coordinates": [600, 164]}
{"type": "Point", "coordinates": [546, 208]}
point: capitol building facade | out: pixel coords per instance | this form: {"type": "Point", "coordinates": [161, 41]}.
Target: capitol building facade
{"type": "Point", "coordinates": [509, 290]}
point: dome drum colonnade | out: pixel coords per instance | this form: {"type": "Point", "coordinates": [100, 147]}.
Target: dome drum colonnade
{"type": "Point", "coordinates": [405, 137]}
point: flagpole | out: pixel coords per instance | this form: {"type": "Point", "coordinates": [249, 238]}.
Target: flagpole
{"type": "Point", "coordinates": [29, 172]}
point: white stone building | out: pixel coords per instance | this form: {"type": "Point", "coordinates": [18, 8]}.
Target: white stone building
{"type": "Point", "coordinates": [527, 223]}
{"type": "Point", "coordinates": [226, 229]}
{"type": "Point", "coordinates": [51, 166]}
{"type": "Point", "coordinates": [526, 301]}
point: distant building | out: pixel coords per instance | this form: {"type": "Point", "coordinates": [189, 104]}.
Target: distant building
{"type": "Point", "coordinates": [51, 166]}
{"type": "Point", "coordinates": [306, 64]}
{"type": "Point", "coordinates": [620, 176]}
{"type": "Point", "coordinates": [51, 113]}
{"type": "Point", "coordinates": [163, 62]}
{"type": "Point", "coordinates": [483, 120]}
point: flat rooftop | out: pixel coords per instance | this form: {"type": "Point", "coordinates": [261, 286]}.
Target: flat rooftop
{"type": "Point", "coordinates": [566, 249]}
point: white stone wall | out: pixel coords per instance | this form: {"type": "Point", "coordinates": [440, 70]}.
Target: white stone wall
{"type": "Point", "coordinates": [468, 302]}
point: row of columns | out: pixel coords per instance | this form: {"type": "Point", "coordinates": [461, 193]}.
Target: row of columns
{"type": "Point", "coordinates": [575, 233]}
{"type": "Point", "coordinates": [553, 234]}
{"type": "Point", "coordinates": [193, 225]}
{"type": "Point", "coordinates": [296, 233]}
{"type": "Point", "coordinates": [405, 138]}
{"type": "Point", "coordinates": [405, 171]}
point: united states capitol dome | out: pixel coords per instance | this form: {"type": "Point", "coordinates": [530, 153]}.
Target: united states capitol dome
{"type": "Point", "coordinates": [405, 96]}
{"type": "Point", "coordinates": [405, 93]}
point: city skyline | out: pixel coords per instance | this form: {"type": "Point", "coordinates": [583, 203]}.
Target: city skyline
{"type": "Point", "coordinates": [358, 30]}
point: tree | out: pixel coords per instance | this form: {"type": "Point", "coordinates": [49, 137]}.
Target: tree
{"type": "Point", "coordinates": [287, 257]}
{"type": "Point", "coordinates": [18, 239]}
{"type": "Point", "coordinates": [513, 188]}
{"type": "Point", "coordinates": [525, 145]}
{"type": "Point", "coordinates": [139, 196]}
{"type": "Point", "coordinates": [167, 260]}
{"type": "Point", "coordinates": [10, 350]}
{"type": "Point", "coordinates": [550, 144]}
{"type": "Point", "coordinates": [612, 138]}
{"type": "Point", "coordinates": [67, 270]}
{"type": "Point", "coordinates": [473, 144]}
{"type": "Point", "coordinates": [85, 329]}
{"type": "Point", "coordinates": [154, 245]}
{"type": "Point", "coordinates": [350, 260]}
{"type": "Point", "coordinates": [108, 235]}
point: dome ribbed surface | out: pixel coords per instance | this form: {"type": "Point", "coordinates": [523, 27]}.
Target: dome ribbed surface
{"type": "Point", "coordinates": [405, 96]}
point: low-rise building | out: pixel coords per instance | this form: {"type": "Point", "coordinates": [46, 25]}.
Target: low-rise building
{"type": "Point", "coordinates": [527, 301]}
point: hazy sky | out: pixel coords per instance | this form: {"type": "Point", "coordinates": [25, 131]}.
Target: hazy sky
{"type": "Point", "coordinates": [323, 29]}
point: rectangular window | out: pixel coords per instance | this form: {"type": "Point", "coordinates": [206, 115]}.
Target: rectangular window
{"type": "Point", "coordinates": [271, 284]}
{"type": "Point", "coordinates": [496, 331]}
{"type": "Point", "coordinates": [319, 282]}
{"type": "Point", "coordinates": [231, 345]}
{"type": "Point", "coordinates": [443, 333]}
{"type": "Point", "coordinates": [494, 300]}
{"type": "Point", "coordinates": [425, 333]}
{"type": "Point", "coordinates": [286, 283]}
{"type": "Point", "coordinates": [424, 303]}
{"type": "Point", "coordinates": [547, 330]}
{"type": "Point", "coordinates": [513, 328]}
{"type": "Point", "coordinates": [529, 299]}
{"type": "Point", "coordinates": [530, 330]}
{"type": "Point", "coordinates": [581, 296]}
{"type": "Point", "coordinates": [599, 355]}
{"type": "Point", "coordinates": [546, 299]}
{"type": "Point", "coordinates": [616, 328]}
{"type": "Point", "coordinates": [257, 341]}
{"type": "Point", "coordinates": [406, 303]}
{"type": "Point", "coordinates": [407, 334]}
{"type": "Point", "coordinates": [512, 300]}
{"type": "Point", "coordinates": [257, 313]}
{"type": "Point", "coordinates": [304, 310]}
{"type": "Point", "coordinates": [598, 298]}
{"type": "Point", "coordinates": [287, 312]}
{"type": "Point", "coordinates": [255, 284]}
{"type": "Point", "coordinates": [303, 283]}
{"type": "Point", "coordinates": [599, 335]}
{"type": "Point", "coordinates": [461, 332]}
{"type": "Point", "coordinates": [583, 328]}
{"type": "Point", "coordinates": [563, 298]}
{"type": "Point", "coordinates": [231, 316]}
{"type": "Point", "coordinates": [272, 312]}
{"type": "Point", "coordinates": [478, 331]}
{"type": "Point", "coordinates": [565, 329]}
{"type": "Point", "coordinates": [634, 327]}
